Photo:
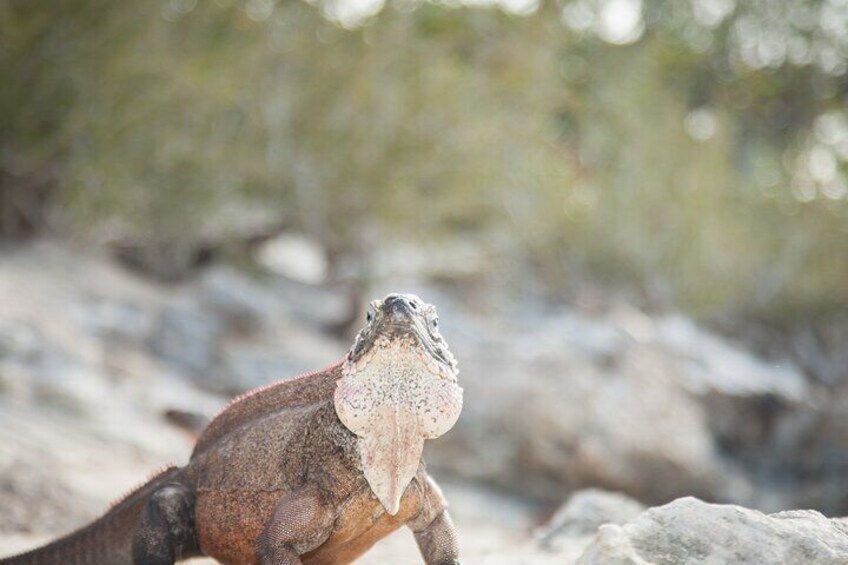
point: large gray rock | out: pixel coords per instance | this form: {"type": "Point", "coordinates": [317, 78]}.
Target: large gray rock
{"type": "Point", "coordinates": [689, 532]}
{"type": "Point", "coordinates": [542, 416]}
{"type": "Point", "coordinates": [746, 399]}
{"type": "Point", "coordinates": [712, 365]}
{"type": "Point", "coordinates": [558, 401]}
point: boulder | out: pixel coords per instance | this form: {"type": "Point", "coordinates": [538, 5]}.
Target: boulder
{"type": "Point", "coordinates": [544, 418]}
{"type": "Point", "coordinates": [689, 532]}
{"type": "Point", "coordinates": [657, 408]}
{"type": "Point", "coordinates": [745, 398]}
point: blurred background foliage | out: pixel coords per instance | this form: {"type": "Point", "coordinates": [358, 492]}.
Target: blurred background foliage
{"type": "Point", "coordinates": [692, 153]}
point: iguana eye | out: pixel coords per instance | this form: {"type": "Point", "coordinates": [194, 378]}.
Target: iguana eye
{"type": "Point", "coordinates": [369, 316]}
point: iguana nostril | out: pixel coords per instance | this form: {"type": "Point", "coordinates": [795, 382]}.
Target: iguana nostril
{"type": "Point", "coordinates": [398, 305]}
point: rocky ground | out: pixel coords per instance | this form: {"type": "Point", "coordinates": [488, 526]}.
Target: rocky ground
{"type": "Point", "coordinates": [102, 374]}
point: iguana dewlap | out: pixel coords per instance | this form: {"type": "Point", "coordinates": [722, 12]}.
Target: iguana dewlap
{"type": "Point", "coordinates": [311, 470]}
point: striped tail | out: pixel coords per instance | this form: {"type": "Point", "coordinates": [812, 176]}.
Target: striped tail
{"type": "Point", "coordinates": [106, 541]}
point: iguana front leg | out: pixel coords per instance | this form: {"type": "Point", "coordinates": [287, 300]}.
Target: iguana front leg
{"type": "Point", "coordinates": [433, 528]}
{"type": "Point", "coordinates": [438, 542]}
{"type": "Point", "coordinates": [302, 521]}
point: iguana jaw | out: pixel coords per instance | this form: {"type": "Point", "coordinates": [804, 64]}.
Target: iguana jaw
{"type": "Point", "coordinates": [393, 396]}
{"type": "Point", "coordinates": [404, 317]}
{"type": "Point", "coordinates": [425, 361]}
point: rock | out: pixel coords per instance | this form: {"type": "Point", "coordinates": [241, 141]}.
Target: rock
{"type": "Point", "coordinates": [246, 367]}
{"type": "Point", "coordinates": [245, 304]}
{"type": "Point", "coordinates": [596, 340]}
{"type": "Point", "coordinates": [21, 343]}
{"type": "Point", "coordinates": [317, 306]}
{"type": "Point", "coordinates": [744, 397]}
{"type": "Point", "coordinates": [119, 322]}
{"type": "Point", "coordinates": [809, 455]}
{"type": "Point", "coordinates": [714, 365]}
{"type": "Point", "coordinates": [544, 419]}
{"type": "Point", "coordinates": [765, 416]}
{"type": "Point", "coordinates": [655, 408]}
{"type": "Point", "coordinates": [689, 532]}
{"type": "Point", "coordinates": [295, 257]}
{"type": "Point", "coordinates": [34, 368]}
{"type": "Point", "coordinates": [187, 336]}
{"type": "Point", "coordinates": [584, 512]}
{"type": "Point", "coordinates": [269, 329]}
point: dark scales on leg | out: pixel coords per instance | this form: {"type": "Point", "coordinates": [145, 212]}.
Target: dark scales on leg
{"type": "Point", "coordinates": [165, 532]}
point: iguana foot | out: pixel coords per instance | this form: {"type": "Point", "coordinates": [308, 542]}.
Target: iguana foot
{"type": "Point", "coordinates": [438, 541]}
{"type": "Point", "coordinates": [433, 528]}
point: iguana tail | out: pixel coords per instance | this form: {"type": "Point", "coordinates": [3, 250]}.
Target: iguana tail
{"type": "Point", "coordinates": [106, 541]}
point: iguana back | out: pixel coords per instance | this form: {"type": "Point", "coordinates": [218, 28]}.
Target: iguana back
{"type": "Point", "coordinates": [282, 395]}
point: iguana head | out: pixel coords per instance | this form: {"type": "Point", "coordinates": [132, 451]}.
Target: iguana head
{"type": "Point", "coordinates": [398, 388]}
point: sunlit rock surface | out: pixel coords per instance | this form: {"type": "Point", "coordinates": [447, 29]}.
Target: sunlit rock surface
{"type": "Point", "coordinates": [689, 532]}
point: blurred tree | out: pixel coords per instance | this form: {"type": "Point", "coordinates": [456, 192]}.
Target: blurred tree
{"type": "Point", "coordinates": [694, 150]}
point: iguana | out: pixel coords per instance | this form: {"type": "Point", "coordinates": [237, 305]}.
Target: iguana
{"type": "Point", "coordinates": [312, 470]}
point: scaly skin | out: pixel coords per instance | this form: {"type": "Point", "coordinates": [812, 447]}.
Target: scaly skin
{"type": "Point", "coordinates": [278, 478]}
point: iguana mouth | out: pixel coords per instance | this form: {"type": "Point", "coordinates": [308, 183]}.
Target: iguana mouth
{"type": "Point", "coordinates": [432, 361]}
{"type": "Point", "coordinates": [395, 393]}
{"type": "Point", "coordinates": [404, 317]}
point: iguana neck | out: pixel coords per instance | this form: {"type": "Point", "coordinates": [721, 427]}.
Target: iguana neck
{"type": "Point", "coordinates": [393, 403]}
